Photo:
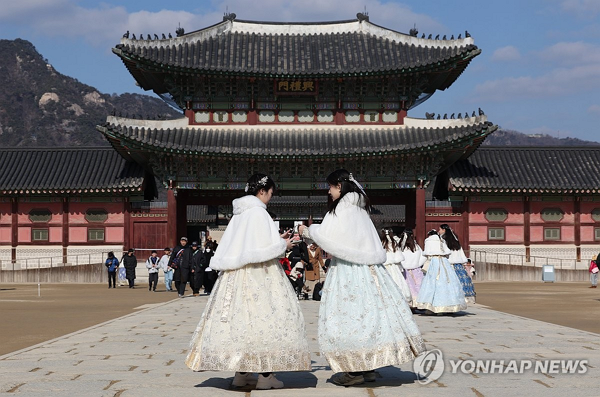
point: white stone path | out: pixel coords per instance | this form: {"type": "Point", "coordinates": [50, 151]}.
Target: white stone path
{"type": "Point", "coordinates": [142, 354]}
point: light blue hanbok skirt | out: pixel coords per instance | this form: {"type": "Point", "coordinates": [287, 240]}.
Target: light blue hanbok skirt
{"type": "Point", "coordinates": [441, 290]}
{"type": "Point", "coordinates": [364, 321]}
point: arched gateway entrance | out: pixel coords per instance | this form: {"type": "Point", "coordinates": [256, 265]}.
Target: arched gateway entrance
{"type": "Point", "coordinates": [296, 101]}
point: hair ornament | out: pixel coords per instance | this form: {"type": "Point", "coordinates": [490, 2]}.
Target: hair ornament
{"type": "Point", "coordinates": [246, 188]}
{"type": "Point", "coordinates": [351, 179]}
{"type": "Point", "coordinates": [263, 181]}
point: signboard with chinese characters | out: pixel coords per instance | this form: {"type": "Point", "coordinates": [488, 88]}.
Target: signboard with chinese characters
{"type": "Point", "coordinates": [296, 87]}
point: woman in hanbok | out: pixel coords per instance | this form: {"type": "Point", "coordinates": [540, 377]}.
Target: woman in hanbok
{"type": "Point", "coordinates": [458, 259]}
{"type": "Point", "coordinates": [364, 321]}
{"type": "Point", "coordinates": [412, 263]}
{"type": "Point", "coordinates": [441, 291]}
{"type": "Point", "coordinates": [393, 262]}
{"type": "Point", "coordinates": [252, 322]}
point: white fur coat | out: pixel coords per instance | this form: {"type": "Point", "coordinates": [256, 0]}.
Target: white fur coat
{"type": "Point", "coordinates": [393, 257]}
{"type": "Point", "coordinates": [457, 256]}
{"type": "Point", "coordinates": [250, 237]}
{"type": "Point", "coordinates": [413, 260]}
{"type": "Point", "coordinates": [435, 246]}
{"type": "Point", "coordinates": [349, 234]}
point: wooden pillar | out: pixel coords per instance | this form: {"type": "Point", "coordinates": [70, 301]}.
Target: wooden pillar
{"type": "Point", "coordinates": [527, 228]}
{"type": "Point", "coordinates": [127, 229]}
{"type": "Point", "coordinates": [173, 238]}
{"type": "Point", "coordinates": [65, 228]}
{"type": "Point", "coordinates": [420, 213]}
{"type": "Point", "coordinates": [465, 224]}
{"type": "Point", "coordinates": [14, 237]}
{"type": "Point", "coordinates": [182, 202]}
{"type": "Point", "coordinates": [577, 211]}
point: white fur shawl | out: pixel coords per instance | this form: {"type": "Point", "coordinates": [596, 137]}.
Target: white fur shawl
{"type": "Point", "coordinates": [250, 237]}
{"type": "Point", "coordinates": [413, 260]}
{"type": "Point", "coordinates": [393, 257]}
{"type": "Point", "coordinates": [435, 246]}
{"type": "Point", "coordinates": [349, 234]}
{"type": "Point", "coordinates": [457, 256]}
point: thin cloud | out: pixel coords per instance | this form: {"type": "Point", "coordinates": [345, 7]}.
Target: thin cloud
{"type": "Point", "coordinates": [65, 18]}
{"type": "Point", "coordinates": [572, 53]}
{"type": "Point", "coordinates": [506, 54]}
{"type": "Point", "coordinates": [586, 9]}
{"type": "Point", "coordinates": [563, 81]}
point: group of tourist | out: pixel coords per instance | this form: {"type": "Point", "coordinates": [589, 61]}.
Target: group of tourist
{"type": "Point", "coordinates": [185, 264]}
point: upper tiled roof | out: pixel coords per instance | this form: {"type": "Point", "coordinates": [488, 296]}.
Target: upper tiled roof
{"type": "Point", "coordinates": [297, 140]}
{"type": "Point", "coordinates": [528, 169]}
{"type": "Point", "coordinates": [67, 170]}
{"type": "Point", "coordinates": [300, 49]}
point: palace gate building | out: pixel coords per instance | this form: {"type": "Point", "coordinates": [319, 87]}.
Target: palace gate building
{"type": "Point", "coordinates": [296, 101]}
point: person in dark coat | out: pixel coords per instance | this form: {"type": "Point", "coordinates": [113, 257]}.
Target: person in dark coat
{"type": "Point", "coordinates": [185, 269]}
{"type": "Point", "coordinates": [176, 259]}
{"type": "Point", "coordinates": [130, 263]}
{"type": "Point", "coordinates": [210, 275]}
{"type": "Point", "coordinates": [198, 263]}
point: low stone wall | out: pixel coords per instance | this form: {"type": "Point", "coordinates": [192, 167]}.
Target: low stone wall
{"type": "Point", "coordinates": [95, 273]}
{"type": "Point", "coordinates": [501, 272]}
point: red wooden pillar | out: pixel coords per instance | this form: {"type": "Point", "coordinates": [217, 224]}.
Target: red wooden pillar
{"type": "Point", "coordinates": [65, 228]}
{"type": "Point", "coordinates": [465, 224]}
{"type": "Point", "coordinates": [420, 213]}
{"type": "Point", "coordinates": [14, 239]}
{"type": "Point", "coordinates": [577, 211]}
{"type": "Point", "coordinates": [127, 229]}
{"type": "Point", "coordinates": [172, 216]}
{"type": "Point", "coordinates": [527, 227]}
{"type": "Point", "coordinates": [182, 202]}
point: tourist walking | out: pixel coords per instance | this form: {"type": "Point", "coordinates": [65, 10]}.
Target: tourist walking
{"type": "Point", "coordinates": [130, 263]}
{"type": "Point", "coordinates": [458, 259]}
{"type": "Point", "coordinates": [441, 290]}
{"type": "Point", "coordinates": [252, 321]}
{"type": "Point", "coordinates": [313, 266]}
{"type": "Point", "coordinates": [197, 262]}
{"type": "Point", "coordinates": [594, 272]}
{"type": "Point", "coordinates": [167, 270]}
{"type": "Point", "coordinates": [364, 321]}
{"type": "Point", "coordinates": [412, 263]}
{"type": "Point", "coordinates": [210, 276]}
{"type": "Point", "coordinates": [112, 264]}
{"type": "Point", "coordinates": [394, 258]}
{"type": "Point", "coordinates": [153, 266]}
{"type": "Point", "coordinates": [175, 261]}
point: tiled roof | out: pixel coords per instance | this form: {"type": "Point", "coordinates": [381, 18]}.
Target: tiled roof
{"type": "Point", "coordinates": [298, 141]}
{"type": "Point", "coordinates": [67, 170]}
{"type": "Point", "coordinates": [528, 170]}
{"type": "Point", "coordinates": [259, 48]}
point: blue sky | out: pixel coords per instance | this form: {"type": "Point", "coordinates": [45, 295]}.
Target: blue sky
{"type": "Point", "coordinates": [539, 71]}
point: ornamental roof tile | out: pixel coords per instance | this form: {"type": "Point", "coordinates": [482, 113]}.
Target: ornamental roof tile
{"type": "Point", "coordinates": [73, 170]}
{"type": "Point", "coordinates": [528, 169]}
{"type": "Point", "coordinates": [298, 140]}
{"type": "Point", "coordinates": [344, 47]}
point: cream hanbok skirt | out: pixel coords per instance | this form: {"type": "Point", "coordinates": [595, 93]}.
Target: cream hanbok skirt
{"type": "Point", "coordinates": [364, 320]}
{"type": "Point", "coordinates": [252, 323]}
{"type": "Point", "coordinates": [396, 272]}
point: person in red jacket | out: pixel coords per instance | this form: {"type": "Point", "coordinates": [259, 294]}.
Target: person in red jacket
{"type": "Point", "coordinates": [594, 272]}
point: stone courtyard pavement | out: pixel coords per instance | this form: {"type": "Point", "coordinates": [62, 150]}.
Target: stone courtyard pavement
{"type": "Point", "coordinates": [142, 354]}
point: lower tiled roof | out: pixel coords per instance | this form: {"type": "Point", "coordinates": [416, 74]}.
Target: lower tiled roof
{"type": "Point", "coordinates": [528, 170]}
{"type": "Point", "coordinates": [67, 170]}
{"type": "Point", "coordinates": [297, 141]}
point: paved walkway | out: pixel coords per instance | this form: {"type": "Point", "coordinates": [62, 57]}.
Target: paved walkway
{"type": "Point", "coordinates": [142, 354]}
